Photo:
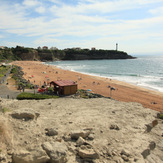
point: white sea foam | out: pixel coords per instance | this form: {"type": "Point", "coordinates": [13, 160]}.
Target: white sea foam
{"type": "Point", "coordinates": [143, 72]}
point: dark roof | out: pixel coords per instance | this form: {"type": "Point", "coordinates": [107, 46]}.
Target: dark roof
{"type": "Point", "coordinates": [64, 82]}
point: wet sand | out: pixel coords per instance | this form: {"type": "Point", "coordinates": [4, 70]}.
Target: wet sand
{"type": "Point", "coordinates": [37, 73]}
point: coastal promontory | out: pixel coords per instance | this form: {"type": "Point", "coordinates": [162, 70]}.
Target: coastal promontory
{"type": "Point", "coordinates": [43, 54]}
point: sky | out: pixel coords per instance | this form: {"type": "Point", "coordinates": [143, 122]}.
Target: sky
{"type": "Point", "coordinates": [136, 25]}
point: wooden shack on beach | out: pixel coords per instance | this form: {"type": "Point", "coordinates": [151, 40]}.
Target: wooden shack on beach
{"type": "Point", "coordinates": [64, 87]}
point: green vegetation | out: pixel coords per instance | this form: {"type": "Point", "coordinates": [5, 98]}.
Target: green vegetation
{"type": "Point", "coordinates": [50, 90]}
{"type": "Point", "coordinates": [4, 110]}
{"type": "Point", "coordinates": [161, 116]}
{"type": "Point", "coordinates": [3, 70]}
{"type": "Point", "coordinates": [31, 96]}
{"type": "Point", "coordinates": [86, 94]}
{"type": "Point", "coordinates": [17, 75]}
{"type": "Point", "coordinates": [6, 55]}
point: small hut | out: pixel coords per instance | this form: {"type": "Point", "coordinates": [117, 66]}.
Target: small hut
{"type": "Point", "coordinates": [64, 87]}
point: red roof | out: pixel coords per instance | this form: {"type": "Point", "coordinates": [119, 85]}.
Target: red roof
{"type": "Point", "coordinates": [64, 82]}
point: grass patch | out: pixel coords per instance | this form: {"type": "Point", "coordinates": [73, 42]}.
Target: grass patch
{"type": "Point", "coordinates": [31, 96]}
{"type": "Point", "coordinates": [4, 110]}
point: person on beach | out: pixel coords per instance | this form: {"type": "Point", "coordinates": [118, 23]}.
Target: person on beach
{"type": "Point", "coordinates": [20, 88]}
{"type": "Point", "coordinates": [44, 83]}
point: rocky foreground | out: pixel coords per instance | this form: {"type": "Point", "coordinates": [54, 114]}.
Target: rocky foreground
{"type": "Point", "coordinates": [68, 130]}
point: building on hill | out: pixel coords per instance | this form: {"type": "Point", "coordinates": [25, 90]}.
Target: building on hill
{"type": "Point", "coordinates": [44, 47]}
{"type": "Point", "coordinates": [3, 47]}
{"type": "Point", "coordinates": [93, 48]}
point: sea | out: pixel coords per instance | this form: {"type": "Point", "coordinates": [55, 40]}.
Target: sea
{"type": "Point", "coordinates": [145, 71]}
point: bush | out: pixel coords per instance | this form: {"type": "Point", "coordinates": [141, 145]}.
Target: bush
{"type": "Point", "coordinates": [161, 116]}
{"type": "Point", "coordinates": [85, 94]}
{"type": "Point", "coordinates": [50, 89]}
{"type": "Point", "coordinates": [13, 70]}
{"type": "Point", "coordinates": [29, 86]}
{"type": "Point", "coordinates": [31, 96]}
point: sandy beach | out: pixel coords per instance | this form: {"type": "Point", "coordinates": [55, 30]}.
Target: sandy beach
{"type": "Point", "coordinates": [37, 73]}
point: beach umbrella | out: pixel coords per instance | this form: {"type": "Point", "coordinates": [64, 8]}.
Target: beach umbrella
{"type": "Point", "coordinates": [32, 76]}
{"type": "Point", "coordinates": [89, 90]}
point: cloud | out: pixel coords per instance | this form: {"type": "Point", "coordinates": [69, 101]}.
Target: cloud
{"type": "Point", "coordinates": [69, 20]}
{"type": "Point", "coordinates": [157, 11]}
{"type": "Point", "coordinates": [30, 3]}
{"type": "Point", "coordinates": [84, 23]}
{"type": "Point", "coordinates": [1, 36]}
{"type": "Point", "coordinates": [47, 40]}
{"type": "Point", "coordinates": [40, 10]}
{"type": "Point", "coordinates": [100, 6]}
{"type": "Point", "coordinates": [13, 44]}
{"type": "Point", "coordinates": [59, 2]}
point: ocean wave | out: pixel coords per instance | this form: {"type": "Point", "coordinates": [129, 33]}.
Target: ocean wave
{"type": "Point", "coordinates": [142, 72]}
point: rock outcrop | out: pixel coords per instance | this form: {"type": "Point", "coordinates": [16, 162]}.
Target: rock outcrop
{"type": "Point", "coordinates": [25, 114]}
{"type": "Point", "coordinates": [32, 156]}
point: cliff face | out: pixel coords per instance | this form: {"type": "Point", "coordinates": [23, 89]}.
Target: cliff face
{"type": "Point", "coordinates": [29, 56]}
{"type": "Point", "coordinates": [25, 53]}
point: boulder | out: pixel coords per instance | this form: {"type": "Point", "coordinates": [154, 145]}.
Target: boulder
{"type": "Point", "coordinates": [2, 157]}
{"type": "Point", "coordinates": [152, 145]}
{"type": "Point", "coordinates": [81, 141]}
{"type": "Point", "coordinates": [151, 125]}
{"type": "Point", "coordinates": [114, 127]}
{"type": "Point", "coordinates": [125, 158]}
{"type": "Point", "coordinates": [91, 137]}
{"type": "Point", "coordinates": [118, 159]}
{"type": "Point", "coordinates": [145, 153]}
{"type": "Point", "coordinates": [25, 113]}
{"type": "Point", "coordinates": [79, 133]}
{"type": "Point", "coordinates": [51, 132]}
{"type": "Point", "coordinates": [66, 137]}
{"type": "Point", "coordinates": [88, 154]}
{"type": "Point", "coordinates": [35, 156]}
{"type": "Point", "coordinates": [125, 152]}
{"type": "Point", "coordinates": [56, 151]}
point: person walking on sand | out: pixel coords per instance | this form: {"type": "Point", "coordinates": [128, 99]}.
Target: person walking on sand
{"type": "Point", "coordinates": [23, 88]}
{"type": "Point", "coordinates": [20, 88]}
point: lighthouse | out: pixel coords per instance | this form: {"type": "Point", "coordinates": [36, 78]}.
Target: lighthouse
{"type": "Point", "coordinates": [116, 46]}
